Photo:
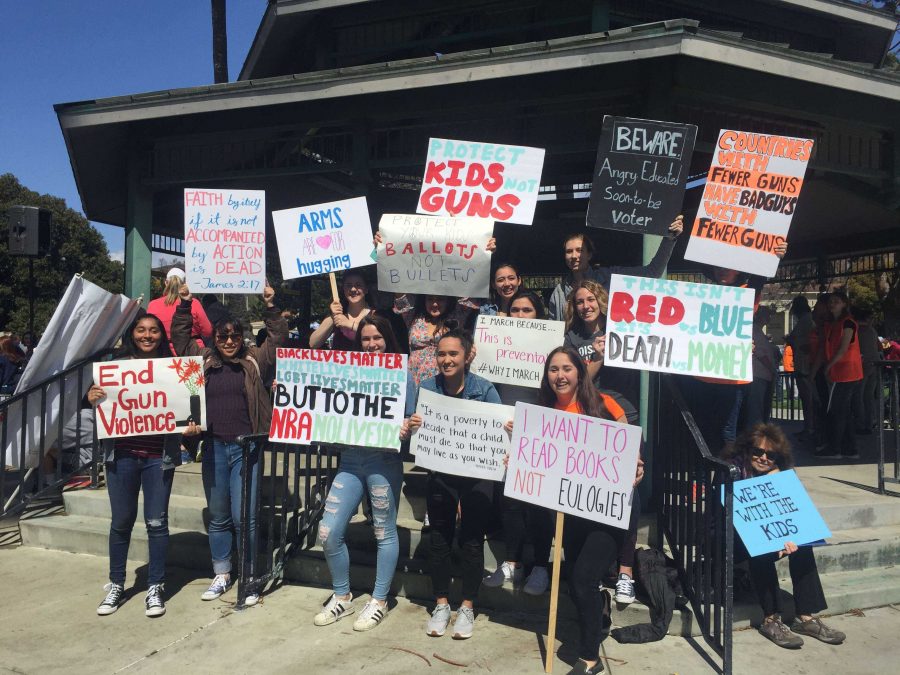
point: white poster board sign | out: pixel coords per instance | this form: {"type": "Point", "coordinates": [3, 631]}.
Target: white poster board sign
{"type": "Point", "coordinates": [481, 180]}
{"type": "Point", "coordinates": [680, 327]}
{"type": "Point", "coordinates": [150, 396]}
{"type": "Point", "coordinates": [460, 437]}
{"type": "Point", "coordinates": [584, 466]}
{"type": "Point", "coordinates": [225, 240]}
{"type": "Point", "coordinates": [750, 196]}
{"type": "Point", "coordinates": [438, 256]}
{"type": "Point", "coordinates": [323, 238]}
{"type": "Point", "coordinates": [512, 351]}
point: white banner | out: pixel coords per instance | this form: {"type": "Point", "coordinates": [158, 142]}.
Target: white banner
{"type": "Point", "coordinates": [461, 437]}
{"type": "Point", "coordinates": [481, 180]}
{"type": "Point", "coordinates": [513, 351]}
{"type": "Point", "coordinates": [150, 396]}
{"type": "Point", "coordinates": [438, 256]}
{"type": "Point", "coordinates": [584, 466]}
{"type": "Point", "coordinates": [324, 238]}
{"type": "Point", "coordinates": [87, 320]}
{"type": "Point", "coordinates": [225, 240]}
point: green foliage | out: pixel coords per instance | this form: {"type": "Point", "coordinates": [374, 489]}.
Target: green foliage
{"type": "Point", "coordinates": [862, 293]}
{"type": "Point", "coordinates": [76, 247]}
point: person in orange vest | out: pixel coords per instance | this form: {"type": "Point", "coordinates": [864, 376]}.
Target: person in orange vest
{"type": "Point", "coordinates": [839, 352]}
{"type": "Point", "coordinates": [788, 359]}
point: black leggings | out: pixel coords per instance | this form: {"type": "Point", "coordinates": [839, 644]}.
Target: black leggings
{"type": "Point", "coordinates": [841, 436]}
{"type": "Point", "coordinates": [473, 497]}
{"type": "Point", "coordinates": [521, 520]}
{"type": "Point", "coordinates": [590, 549]}
{"type": "Point", "coordinates": [809, 598]}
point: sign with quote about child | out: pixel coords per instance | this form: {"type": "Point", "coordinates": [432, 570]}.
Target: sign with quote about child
{"type": "Point", "coordinates": [344, 398]}
{"type": "Point", "coordinates": [641, 171]}
{"type": "Point", "coordinates": [434, 255]}
{"type": "Point", "coordinates": [572, 463]}
{"type": "Point", "coordinates": [773, 509]}
{"type": "Point", "coordinates": [512, 351]}
{"type": "Point", "coordinates": [680, 327]}
{"type": "Point", "coordinates": [750, 196]}
{"type": "Point", "coordinates": [461, 437]}
{"type": "Point", "coordinates": [225, 240]}
{"type": "Point", "coordinates": [149, 396]}
{"type": "Point", "coordinates": [481, 180]}
{"type": "Point", "coordinates": [323, 238]}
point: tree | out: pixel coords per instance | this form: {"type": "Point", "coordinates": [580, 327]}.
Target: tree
{"type": "Point", "coordinates": [75, 247]}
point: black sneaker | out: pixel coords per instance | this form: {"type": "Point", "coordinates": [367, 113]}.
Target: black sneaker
{"type": "Point", "coordinates": [154, 600]}
{"type": "Point", "coordinates": [780, 634]}
{"type": "Point", "coordinates": [113, 599]}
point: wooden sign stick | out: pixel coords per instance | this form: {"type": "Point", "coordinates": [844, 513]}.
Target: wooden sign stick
{"type": "Point", "coordinates": [554, 592]}
{"type": "Point", "coordinates": [334, 293]}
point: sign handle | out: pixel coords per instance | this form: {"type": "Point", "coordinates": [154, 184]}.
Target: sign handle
{"type": "Point", "coordinates": [334, 293]}
{"type": "Point", "coordinates": [554, 592]}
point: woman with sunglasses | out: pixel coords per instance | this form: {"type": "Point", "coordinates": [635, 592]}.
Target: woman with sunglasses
{"type": "Point", "coordinates": [764, 450]}
{"type": "Point", "coordinates": [346, 314]}
{"type": "Point", "coordinates": [237, 404]}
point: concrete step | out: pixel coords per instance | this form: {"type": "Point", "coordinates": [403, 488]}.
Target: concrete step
{"type": "Point", "coordinates": [860, 548]}
{"type": "Point", "coordinates": [185, 513]}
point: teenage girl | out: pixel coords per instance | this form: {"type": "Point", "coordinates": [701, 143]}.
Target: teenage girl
{"type": "Point", "coordinates": [346, 314]}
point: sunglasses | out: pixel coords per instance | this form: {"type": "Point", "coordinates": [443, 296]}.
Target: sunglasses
{"type": "Point", "coordinates": [771, 455]}
{"type": "Point", "coordinates": [224, 338]}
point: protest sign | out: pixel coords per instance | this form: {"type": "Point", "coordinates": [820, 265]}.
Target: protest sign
{"type": "Point", "coordinates": [774, 509]}
{"type": "Point", "coordinates": [225, 240]}
{"type": "Point", "coordinates": [513, 351]}
{"type": "Point", "coordinates": [150, 396]}
{"type": "Point", "coordinates": [749, 199]}
{"type": "Point", "coordinates": [639, 178]}
{"type": "Point", "coordinates": [580, 465]}
{"type": "Point", "coordinates": [344, 398]}
{"type": "Point", "coordinates": [461, 437]}
{"type": "Point", "coordinates": [434, 255]}
{"type": "Point", "coordinates": [680, 327]}
{"type": "Point", "coordinates": [323, 238]}
{"type": "Point", "coordinates": [482, 180]}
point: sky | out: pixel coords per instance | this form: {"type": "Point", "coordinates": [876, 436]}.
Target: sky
{"type": "Point", "coordinates": [60, 51]}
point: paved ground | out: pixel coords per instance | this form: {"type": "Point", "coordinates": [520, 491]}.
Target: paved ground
{"type": "Point", "coordinates": [47, 603]}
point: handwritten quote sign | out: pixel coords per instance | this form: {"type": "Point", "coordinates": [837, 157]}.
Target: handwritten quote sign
{"type": "Point", "coordinates": [481, 180]}
{"type": "Point", "coordinates": [323, 238]}
{"type": "Point", "coordinates": [149, 396]}
{"type": "Point", "coordinates": [439, 256]}
{"type": "Point", "coordinates": [774, 509]}
{"type": "Point", "coordinates": [641, 171]}
{"type": "Point", "coordinates": [749, 199]}
{"type": "Point", "coordinates": [680, 327]}
{"type": "Point", "coordinates": [513, 351]}
{"type": "Point", "coordinates": [580, 465]}
{"type": "Point", "coordinates": [225, 240]}
{"type": "Point", "coordinates": [460, 437]}
{"type": "Point", "coordinates": [345, 398]}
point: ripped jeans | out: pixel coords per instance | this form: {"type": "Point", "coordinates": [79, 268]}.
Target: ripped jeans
{"type": "Point", "coordinates": [381, 473]}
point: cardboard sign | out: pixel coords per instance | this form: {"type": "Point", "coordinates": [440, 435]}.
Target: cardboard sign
{"type": "Point", "coordinates": [774, 509]}
{"type": "Point", "coordinates": [641, 171]}
{"type": "Point", "coordinates": [749, 199]}
{"type": "Point", "coordinates": [343, 398]}
{"type": "Point", "coordinates": [481, 180]}
{"type": "Point", "coordinates": [460, 437]}
{"type": "Point", "coordinates": [225, 240]}
{"type": "Point", "coordinates": [513, 351]}
{"type": "Point", "coordinates": [150, 396]}
{"type": "Point", "coordinates": [580, 465]}
{"type": "Point", "coordinates": [680, 327]}
{"type": "Point", "coordinates": [438, 256]}
{"type": "Point", "coordinates": [323, 238]}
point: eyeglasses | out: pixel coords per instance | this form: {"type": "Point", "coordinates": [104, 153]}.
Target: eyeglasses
{"type": "Point", "coordinates": [771, 455]}
{"type": "Point", "coordinates": [224, 338]}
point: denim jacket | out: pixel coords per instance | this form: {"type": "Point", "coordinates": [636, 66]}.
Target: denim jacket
{"type": "Point", "coordinates": [475, 388]}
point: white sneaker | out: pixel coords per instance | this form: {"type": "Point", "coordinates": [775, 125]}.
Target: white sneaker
{"type": "Point", "coordinates": [251, 600]}
{"type": "Point", "coordinates": [440, 619]}
{"type": "Point", "coordinates": [219, 585]}
{"type": "Point", "coordinates": [504, 573]}
{"type": "Point", "coordinates": [372, 615]}
{"type": "Point", "coordinates": [465, 623]}
{"type": "Point", "coordinates": [537, 581]}
{"type": "Point", "coordinates": [333, 610]}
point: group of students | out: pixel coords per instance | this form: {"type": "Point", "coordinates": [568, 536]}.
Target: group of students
{"type": "Point", "coordinates": [440, 345]}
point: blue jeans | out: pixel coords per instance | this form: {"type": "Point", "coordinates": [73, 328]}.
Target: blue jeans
{"type": "Point", "coordinates": [125, 478]}
{"type": "Point", "coordinates": [222, 466]}
{"type": "Point", "coordinates": [381, 474]}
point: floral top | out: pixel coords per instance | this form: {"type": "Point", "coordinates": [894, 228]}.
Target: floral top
{"type": "Point", "coordinates": [422, 345]}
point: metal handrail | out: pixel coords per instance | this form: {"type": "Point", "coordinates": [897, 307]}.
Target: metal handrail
{"type": "Point", "coordinates": [889, 425]}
